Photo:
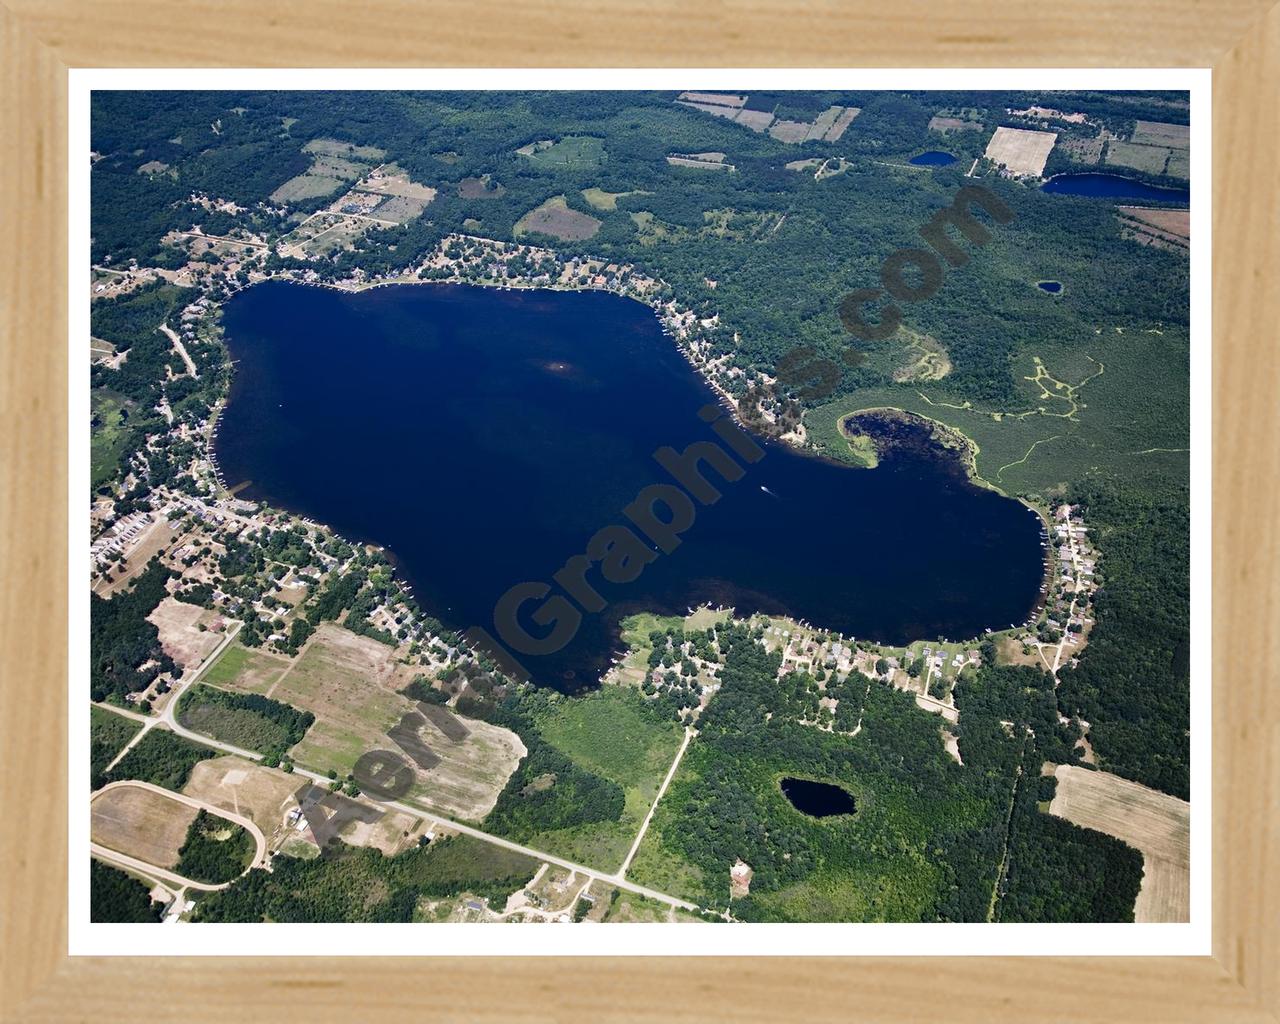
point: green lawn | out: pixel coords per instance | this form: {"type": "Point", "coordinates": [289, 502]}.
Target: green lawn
{"type": "Point", "coordinates": [243, 669]}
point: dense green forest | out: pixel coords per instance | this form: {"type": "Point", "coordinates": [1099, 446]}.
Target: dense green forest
{"type": "Point", "coordinates": [117, 898]}
{"type": "Point", "coordinates": [122, 640]}
{"type": "Point", "coordinates": [346, 884]}
{"type": "Point", "coordinates": [1054, 871]}
{"type": "Point", "coordinates": [162, 758]}
{"type": "Point", "coordinates": [215, 850]}
{"type": "Point", "coordinates": [247, 720]}
{"type": "Point", "coordinates": [928, 837]}
{"type": "Point", "coordinates": [1133, 682]}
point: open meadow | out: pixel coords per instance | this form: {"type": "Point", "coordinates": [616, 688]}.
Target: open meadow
{"type": "Point", "coordinates": [245, 669]}
{"type": "Point", "coordinates": [615, 735]}
{"type": "Point", "coordinates": [350, 684]}
{"type": "Point", "coordinates": [554, 218]}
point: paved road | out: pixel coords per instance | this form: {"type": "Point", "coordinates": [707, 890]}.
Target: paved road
{"type": "Point", "coordinates": [150, 870]}
{"type": "Point", "coordinates": [182, 351]}
{"type": "Point", "coordinates": [528, 851]}
{"type": "Point", "coordinates": [168, 719]}
{"type": "Point", "coordinates": [688, 735]}
{"type": "Point", "coordinates": [469, 830]}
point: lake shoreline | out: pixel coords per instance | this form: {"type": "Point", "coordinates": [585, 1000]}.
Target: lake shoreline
{"type": "Point", "coordinates": [776, 602]}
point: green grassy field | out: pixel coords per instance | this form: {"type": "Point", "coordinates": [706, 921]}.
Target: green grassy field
{"type": "Point", "coordinates": [110, 436]}
{"type": "Point", "coordinates": [616, 735]}
{"type": "Point", "coordinates": [602, 200]}
{"type": "Point", "coordinates": [1080, 417]}
{"type": "Point", "coordinates": [572, 153]}
{"type": "Point", "coordinates": [240, 668]}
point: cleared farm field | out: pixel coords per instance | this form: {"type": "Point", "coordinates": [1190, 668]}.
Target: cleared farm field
{"type": "Point", "coordinates": [480, 188]}
{"type": "Point", "coordinates": [249, 671]}
{"type": "Point", "coordinates": [1152, 822]}
{"type": "Point", "coordinates": [722, 99]}
{"type": "Point", "coordinates": [556, 219]}
{"type": "Point", "coordinates": [333, 164]}
{"type": "Point", "coordinates": [841, 123]}
{"type": "Point", "coordinates": [756, 120]}
{"type": "Point", "coordinates": [140, 823]}
{"type": "Point", "coordinates": [406, 198]}
{"type": "Point", "coordinates": [572, 153]}
{"type": "Point", "coordinates": [1170, 225]}
{"type": "Point", "coordinates": [349, 683]}
{"type": "Point", "coordinates": [1150, 159]}
{"type": "Point", "coordinates": [1020, 150]}
{"type": "Point", "coordinates": [306, 186]}
{"type": "Point", "coordinates": [338, 148]}
{"type": "Point", "coordinates": [711, 108]}
{"type": "Point", "coordinates": [946, 125]}
{"type": "Point", "coordinates": [706, 161]}
{"type": "Point", "coordinates": [789, 131]}
{"type": "Point", "coordinates": [1158, 133]}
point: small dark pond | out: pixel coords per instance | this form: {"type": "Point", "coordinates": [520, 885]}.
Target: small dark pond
{"type": "Point", "coordinates": [933, 158]}
{"type": "Point", "coordinates": [1053, 287]}
{"type": "Point", "coordinates": [1112, 186]}
{"type": "Point", "coordinates": [817, 799]}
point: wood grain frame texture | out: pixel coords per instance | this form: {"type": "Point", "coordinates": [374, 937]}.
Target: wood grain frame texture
{"type": "Point", "coordinates": [41, 39]}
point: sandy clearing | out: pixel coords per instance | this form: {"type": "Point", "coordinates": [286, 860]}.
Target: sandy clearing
{"type": "Point", "coordinates": [180, 634]}
{"type": "Point", "coordinates": [263, 795]}
{"type": "Point", "coordinates": [140, 823]}
{"type": "Point", "coordinates": [1020, 150]}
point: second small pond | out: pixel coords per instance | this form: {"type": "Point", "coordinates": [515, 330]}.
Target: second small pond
{"type": "Point", "coordinates": [817, 799]}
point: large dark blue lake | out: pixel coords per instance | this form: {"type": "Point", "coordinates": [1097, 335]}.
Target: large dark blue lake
{"type": "Point", "coordinates": [483, 436]}
{"type": "Point", "coordinates": [1113, 186]}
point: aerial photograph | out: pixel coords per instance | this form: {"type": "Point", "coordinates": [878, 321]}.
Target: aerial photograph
{"type": "Point", "coordinates": [583, 507]}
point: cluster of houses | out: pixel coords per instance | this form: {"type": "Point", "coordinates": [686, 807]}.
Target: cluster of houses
{"type": "Point", "coordinates": [116, 541]}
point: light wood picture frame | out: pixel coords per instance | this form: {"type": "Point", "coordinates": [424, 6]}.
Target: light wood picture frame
{"type": "Point", "coordinates": [42, 39]}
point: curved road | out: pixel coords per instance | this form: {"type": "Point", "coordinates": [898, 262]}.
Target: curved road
{"type": "Point", "coordinates": [259, 840]}
{"type": "Point", "coordinates": [169, 720]}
